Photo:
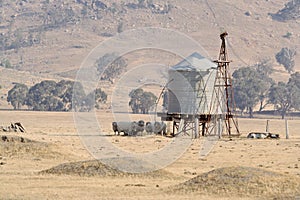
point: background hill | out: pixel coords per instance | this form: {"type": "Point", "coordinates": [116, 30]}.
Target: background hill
{"type": "Point", "coordinates": [49, 39]}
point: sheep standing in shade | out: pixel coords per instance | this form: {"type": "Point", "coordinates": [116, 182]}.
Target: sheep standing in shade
{"type": "Point", "coordinates": [156, 127]}
{"type": "Point", "coordinates": [128, 128]}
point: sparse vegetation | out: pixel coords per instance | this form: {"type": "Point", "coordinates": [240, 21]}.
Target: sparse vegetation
{"type": "Point", "coordinates": [286, 57]}
{"type": "Point", "coordinates": [5, 63]}
{"type": "Point", "coordinates": [120, 27]}
{"type": "Point", "coordinates": [291, 11]}
{"type": "Point", "coordinates": [154, 7]}
{"type": "Point", "coordinates": [110, 66]}
{"type": "Point", "coordinates": [288, 35]}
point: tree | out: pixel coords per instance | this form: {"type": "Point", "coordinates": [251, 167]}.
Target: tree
{"type": "Point", "coordinates": [77, 95]}
{"type": "Point", "coordinates": [148, 99]}
{"type": "Point", "coordinates": [280, 97]}
{"type": "Point", "coordinates": [38, 95]}
{"type": "Point", "coordinates": [110, 66]}
{"type": "Point", "coordinates": [141, 101]}
{"type": "Point", "coordinates": [71, 93]}
{"type": "Point", "coordinates": [52, 103]}
{"type": "Point", "coordinates": [17, 95]}
{"type": "Point", "coordinates": [286, 57]}
{"type": "Point", "coordinates": [248, 87]}
{"type": "Point", "coordinates": [134, 102]}
{"type": "Point", "coordinates": [294, 85]}
{"type": "Point", "coordinates": [51, 96]}
{"type": "Point", "coordinates": [100, 97]}
{"type": "Point", "coordinates": [295, 80]}
{"type": "Point", "coordinates": [264, 69]}
{"type": "Point", "coordinates": [94, 99]}
{"type": "Point", "coordinates": [286, 96]}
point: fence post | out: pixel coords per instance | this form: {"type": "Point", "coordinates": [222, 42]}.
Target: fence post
{"type": "Point", "coordinates": [267, 127]}
{"type": "Point", "coordinates": [286, 129]}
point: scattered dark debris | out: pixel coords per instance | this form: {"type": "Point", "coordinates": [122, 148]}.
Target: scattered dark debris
{"type": "Point", "coordinates": [13, 127]}
{"type": "Point", "coordinates": [14, 139]}
{"type": "Point", "coordinates": [135, 185]}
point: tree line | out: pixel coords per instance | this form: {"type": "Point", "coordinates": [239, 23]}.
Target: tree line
{"type": "Point", "coordinates": [253, 86]}
{"type": "Point", "coordinates": [49, 95]}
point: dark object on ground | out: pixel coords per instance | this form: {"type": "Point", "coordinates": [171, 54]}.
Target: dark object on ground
{"type": "Point", "coordinates": [14, 127]}
{"type": "Point", "coordinates": [259, 135]}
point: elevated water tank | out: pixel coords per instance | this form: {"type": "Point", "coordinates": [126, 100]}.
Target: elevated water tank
{"type": "Point", "coordinates": [191, 85]}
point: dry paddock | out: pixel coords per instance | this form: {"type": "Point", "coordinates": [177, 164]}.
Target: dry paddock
{"type": "Point", "coordinates": [51, 140]}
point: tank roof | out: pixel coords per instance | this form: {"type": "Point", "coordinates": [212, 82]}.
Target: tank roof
{"type": "Point", "coordinates": [194, 62]}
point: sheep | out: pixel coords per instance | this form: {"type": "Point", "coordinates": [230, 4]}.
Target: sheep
{"type": "Point", "coordinates": [128, 128]}
{"type": "Point", "coordinates": [140, 126]}
{"type": "Point", "coordinates": [156, 127]}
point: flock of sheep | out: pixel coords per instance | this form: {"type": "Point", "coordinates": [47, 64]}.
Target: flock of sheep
{"type": "Point", "coordinates": [135, 128]}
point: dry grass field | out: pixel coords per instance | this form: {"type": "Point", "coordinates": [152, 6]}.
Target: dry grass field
{"type": "Point", "coordinates": [51, 162]}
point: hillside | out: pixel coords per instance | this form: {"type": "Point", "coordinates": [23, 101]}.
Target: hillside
{"type": "Point", "coordinates": [50, 39]}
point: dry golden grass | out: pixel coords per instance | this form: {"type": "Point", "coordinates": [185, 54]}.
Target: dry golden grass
{"type": "Point", "coordinates": [53, 146]}
{"type": "Point", "coordinates": [245, 181]}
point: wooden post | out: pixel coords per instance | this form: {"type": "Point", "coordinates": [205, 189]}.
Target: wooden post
{"type": "Point", "coordinates": [196, 127]}
{"type": "Point", "coordinates": [173, 134]}
{"type": "Point", "coordinates": [286, 129]}
{"type": "Point", "coordinates": [168, 127]}
{"type": "Point", "coordinates": [220, 128]}
{"type": "Point", "coordinates": [203, 129]}
{"type": "Point", "coordinates": [267, 127]}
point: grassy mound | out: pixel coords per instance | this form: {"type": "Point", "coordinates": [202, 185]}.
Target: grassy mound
{"type": "Point", "coordinates": [20, 147]}
{"type": "Point", "coordinates": [241, 181]}
{"type": "Point", "coordinates": [83, 168]}
{"type": "Point", "coordinates": [97, 168]}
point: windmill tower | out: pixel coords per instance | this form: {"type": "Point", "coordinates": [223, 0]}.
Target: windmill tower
{"type": "Point", "coordinates": [200, 95]}
{"type": "Point", "coordinates": [224, 92]}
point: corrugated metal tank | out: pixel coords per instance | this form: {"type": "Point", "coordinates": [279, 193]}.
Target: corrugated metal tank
{"type": "Point", "coordinates": [191, 84]}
